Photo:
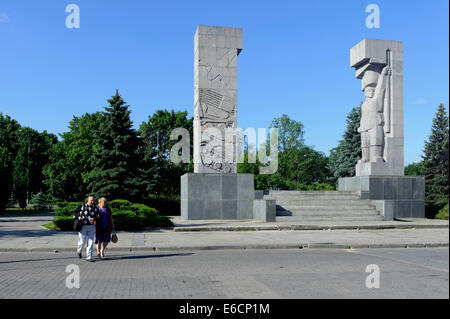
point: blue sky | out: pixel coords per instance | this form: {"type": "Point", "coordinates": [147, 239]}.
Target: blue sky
{"type": "Point", "coordinates": [295, 60]}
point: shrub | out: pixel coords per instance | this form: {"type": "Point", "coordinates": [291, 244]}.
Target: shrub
{"type": "Point", "coordinates": [63, 222]}
{"type": "Point", "coordinates": [443, 213]}
{"type": "Point", "coordinates": [120, 204]}
{"type": "Point", "coordinates": [134, 220]}
{"type": "Point", "coordinates": [322, 187]}
{"type": "Point", "coordinates": [165, 205]}
{"type": "Point", "coordinates": [66, 208]}
{"type": "Point", "coordinates": [126, 215]}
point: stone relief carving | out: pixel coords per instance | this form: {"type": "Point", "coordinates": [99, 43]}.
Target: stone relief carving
{"type": "Point", "coordinates": [217, 111]}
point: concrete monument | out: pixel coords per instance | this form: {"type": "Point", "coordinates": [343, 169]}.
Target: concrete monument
{"type": "Point", "coordinates": [379, 65]}
{"type": "Point", "coordinates": [379, 172]}
{"type": "Point", "coordinates": [215, 190]}
{"type": "Point", "coordinates": [216, 50]}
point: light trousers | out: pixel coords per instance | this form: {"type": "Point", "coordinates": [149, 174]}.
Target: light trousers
{"type": "Point", "coordinates": [86, 235]}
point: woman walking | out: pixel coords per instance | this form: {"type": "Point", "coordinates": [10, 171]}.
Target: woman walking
{"type": "Point", "coordinates": [103, 227]}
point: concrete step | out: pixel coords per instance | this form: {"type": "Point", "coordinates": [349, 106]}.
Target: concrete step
{"type": "Point", "coordinates": [311, 193]}
{"type": "Point", "coordinates": [313, 197]}
{"type": "Point", "coordinates": [330, 213]}
{"type": "Point", "coordinates": [327, 218]}
{"type": "Point", "coordinates": [325, 206]}
{"type": "Point", "coordinates": [315, 202]}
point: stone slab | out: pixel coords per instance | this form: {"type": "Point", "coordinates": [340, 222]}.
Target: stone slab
{"type": "Point", "coordinates": [217, 196]}
{"type": "Point", "coordinates": [394, 196]}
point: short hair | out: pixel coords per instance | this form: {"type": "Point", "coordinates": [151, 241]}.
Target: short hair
{"type": "Point", "coordinates": [102, 199]}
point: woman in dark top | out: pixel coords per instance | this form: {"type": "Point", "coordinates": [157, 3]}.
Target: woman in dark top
{"type": "Point", "coordinates": [103, 227]}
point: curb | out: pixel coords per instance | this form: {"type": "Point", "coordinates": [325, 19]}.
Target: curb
{"type": "Point", "coordinates": [239, 247]}
{"type": "Point", "coordinates": [305, 227]}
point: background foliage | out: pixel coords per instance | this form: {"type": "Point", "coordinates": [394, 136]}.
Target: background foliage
{"type": "Point", "coordinates": [102, 154]}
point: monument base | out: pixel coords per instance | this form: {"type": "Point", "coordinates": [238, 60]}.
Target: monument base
{"type": "Point", "coordinates": [394, 196]}
{"type": "Point", "coordinates": [217, 196]}
{"type": "Point", "coordinates": [371, 168]}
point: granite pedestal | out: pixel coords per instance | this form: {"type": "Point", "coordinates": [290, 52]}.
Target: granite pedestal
{"type": "Point", "coordinates": [394, 196]}
{"type": "Point", "coordinates": [217, 196]}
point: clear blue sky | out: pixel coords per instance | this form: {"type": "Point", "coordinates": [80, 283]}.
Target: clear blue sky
{"type": "Point", "coordinates": [295, 60]}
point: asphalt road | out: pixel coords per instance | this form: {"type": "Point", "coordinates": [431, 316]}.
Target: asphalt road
{"type": "Point", "coordinates": [292, 273]}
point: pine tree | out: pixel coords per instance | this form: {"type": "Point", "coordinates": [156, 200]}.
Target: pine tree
{"type": "Point", "coordinates": [435, 163]}
{"type": "Point", "coordinates": [116, 173]}
{"type": "Point", "coordinates": [344, 157]}
{"type": "Point", "coordinates": [39, 201]}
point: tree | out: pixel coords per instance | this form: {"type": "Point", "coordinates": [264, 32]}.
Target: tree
{"type": "Point", "coordinates": [304, 166]}
{"type": "Point", "coordinates": [414, 169]}
{"type": "Point", "coordinates": [290, 132]}
{"type": "Point", "coordinates": [344, 157]}
{"type": "Point", "coordinates": [435, 163]}
{"type": "Point", "coordinates": [162, 174]}
{"type": "Point", "coordinates": [117, 168]}
{"type": "Point", "coordinates": [39, 201]}
{"type": "Point", "coordinates": [71, 160]}
{"type": "Point", "coordinates": [32, 155]}
{"type": "Point", "coordinates": [5, 176]}
{"type": "Point", "coordinates": [8, 147]}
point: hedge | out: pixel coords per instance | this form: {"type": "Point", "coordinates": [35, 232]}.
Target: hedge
{"type": "Point", "coordinates": [126, 216]}
{"type": "Point", "coordinates": [443, 213]}
{"type": "Point", "coordinates": [66, 208]}
{"type": "Point", "coordinates": [166, 205]}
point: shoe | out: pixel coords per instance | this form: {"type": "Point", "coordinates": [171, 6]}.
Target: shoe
{"type": "Point", "coordinates": [79, 255]}
{"type": "Point", "coordinates": [90, 260]}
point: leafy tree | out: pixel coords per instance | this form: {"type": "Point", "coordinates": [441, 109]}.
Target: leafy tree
{"type": "Point", "coordinates": [32, 155]}
{"type": "Point", "coordinates": [116, 163]}
{"type": "Point", "coordinates": [290, 132]}
{"type": "Point", "coordinates": [71, 160]}
{"type": "Point", "coordinates": [414, 169]}
{"type": "Point", "coordinates": [344, 157]}
{"type": "Point", "coordinates": [435, 163]}
{"type": "Point", "coordinates": [304, 165]}
{"type": "Point", "coordinates": [162, 174]}
{"type": "Point", "coordinates": [8, 147]}
{"type": "Point", "coordinates": [5, 176]}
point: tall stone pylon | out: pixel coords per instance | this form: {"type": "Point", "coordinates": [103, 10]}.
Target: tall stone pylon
{"type": "Point", "coordinates": [379, 65]}
{"type": "Point", "coordinates": [215, 98]}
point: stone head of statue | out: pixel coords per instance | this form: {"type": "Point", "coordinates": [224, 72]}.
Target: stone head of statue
{"type": "Point", "coordinates": [369, 92]}
{"type": "Point", "coordinates": [369, 82]}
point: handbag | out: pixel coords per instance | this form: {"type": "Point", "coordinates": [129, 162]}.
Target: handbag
{"type": "Point", "coordinates": [77, 224]}
{"type": "Point", "coordinates": [114, 237]}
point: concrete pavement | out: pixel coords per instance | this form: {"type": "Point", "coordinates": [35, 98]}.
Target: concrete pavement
{"type": "Point", "coordinates": [277, 274]}
{"type": "Point", "coordinates": [27, 234]}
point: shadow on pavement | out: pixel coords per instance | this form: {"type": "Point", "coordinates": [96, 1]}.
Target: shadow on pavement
{"type": "Point", "coordinates": [30, 233]}
{"type": "Point", "coordinates": [107, 258]}
{"type": "Point", "coordinates": [112, 257]}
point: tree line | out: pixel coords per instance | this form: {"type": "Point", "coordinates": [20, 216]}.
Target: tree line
{"type": "Point", "coordinates": [102, 154]}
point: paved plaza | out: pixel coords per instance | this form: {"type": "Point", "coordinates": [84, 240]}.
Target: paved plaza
{"type": "Point", "coordinates": [275, 273]}
{"type": "Point", "coordinates": [215, 260]}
